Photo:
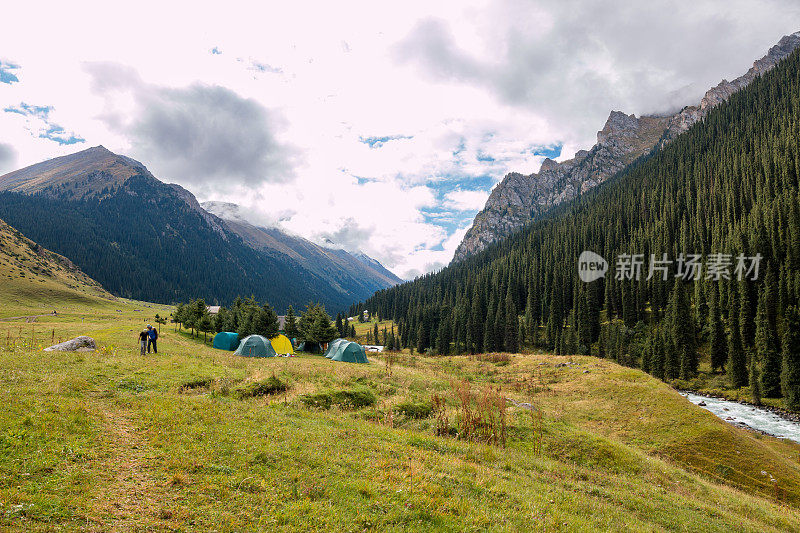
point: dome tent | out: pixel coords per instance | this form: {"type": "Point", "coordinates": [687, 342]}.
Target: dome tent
{"type": "Point", "coordinates": [282, 345]}
{"type": "Point", "coordinates": [349, 352]}
{"type": "Point", "coordinates": [332, 346]}
{"type": "Point", "coordinates": [255, 346]}
{"type": "Point", "coordinates": [225, 340]}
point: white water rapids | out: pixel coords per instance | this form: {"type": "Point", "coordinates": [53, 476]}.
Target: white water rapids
{"type": "Point", "coordinates": [754, 417]}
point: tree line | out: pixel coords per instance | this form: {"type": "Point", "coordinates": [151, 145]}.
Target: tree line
{"type": "Point", "coordinates": [729, 186]}
{"type": "Point", "coordinates": [246, 317]}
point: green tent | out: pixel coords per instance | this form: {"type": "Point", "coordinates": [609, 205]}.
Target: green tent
{"type": "Point", "coordinates": [309, 347]}
{"type": "Point", "coordinates": [226, 340]}
{"type": "Point", "coordinates": [332, 346]}
{"type": "Point", "coordinates": [255, 346]}
{"type": "Point", "coordinates": [349, 352]}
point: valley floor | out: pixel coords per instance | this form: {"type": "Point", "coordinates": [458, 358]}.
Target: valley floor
{"type": "Point", "coordinates": [113, 441]}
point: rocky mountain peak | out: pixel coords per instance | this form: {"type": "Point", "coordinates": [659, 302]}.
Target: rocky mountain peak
{"type": "Point", "coordinates": [548, 164]}
{"type": "Point", "coordinates": [518, 198]}
{"type": "Point", "coordinates": [618, 124]}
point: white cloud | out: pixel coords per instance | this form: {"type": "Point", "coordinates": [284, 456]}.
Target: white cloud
{"type": "Point", "coordinates": [461, 200]}
{"type": "Point", "coordinates": [277, 121]}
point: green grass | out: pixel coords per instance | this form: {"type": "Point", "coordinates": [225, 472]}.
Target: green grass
{"type": "Point", "coordinates": [111, 439]}
{"type": "Point", "coordinates": [198, 439]}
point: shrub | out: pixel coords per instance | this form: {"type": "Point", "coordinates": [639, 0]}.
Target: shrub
{"type": "Point", "coordinates": [355, 398]}
{"type": "Point", "coordinates": [196, 383]}
{"type": "Point", "coordinates": [267, 387]}
{"type": "Point", "coordinates": [416, 410]}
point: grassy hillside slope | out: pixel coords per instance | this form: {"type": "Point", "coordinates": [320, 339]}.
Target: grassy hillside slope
{"type": "Point", "coordinates": [109, 439]}
{"type": "Point", "coordinates": [34, 280]}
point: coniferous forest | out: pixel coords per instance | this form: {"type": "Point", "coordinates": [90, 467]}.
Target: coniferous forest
{"type": "Point", "coordinates": [727, 186]}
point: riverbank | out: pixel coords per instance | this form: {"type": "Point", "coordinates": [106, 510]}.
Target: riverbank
{"type": "Point", "coordinates": [744, 414]}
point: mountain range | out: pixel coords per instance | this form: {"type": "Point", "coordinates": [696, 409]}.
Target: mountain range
{"type": "Point", "coordinates": [520, 198]}
{"type": "Point", "coordinates": [145, 239]}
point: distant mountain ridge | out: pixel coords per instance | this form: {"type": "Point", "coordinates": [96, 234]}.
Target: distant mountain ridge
{"type": "Point", "coordinates": [145, 239]}
{"type": "Point", "coordinates": [519, 198]}
{"type": "Point", "coordinates": [334, 264]}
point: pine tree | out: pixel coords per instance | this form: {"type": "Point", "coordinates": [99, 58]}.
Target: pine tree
{"type": "Point", "coordinates": [790, 375]}
{"type": "Point", "coordinates": [290, 324]}
{"type": "Point", "coordinates": [265, 322]}
{"type": "Point", "coordinates": [444, 337]}
{"type": "Point", "coordinates": [718, 342]}
{"type": "Point", "coordinates": [767, 354]}
{"type": "Point", "coordinates": [683, 332]}
{"type": "Point", "coordinates": [746, 317]}
{"type": "Point", "coordinates": [530, 323]}
{"type": "Point", "coordinates": [511, 325]}
{"type": "Point", "coordinates": [737, 361]}
{"type": "Point", "coordinates": [585, 325]}
{"type": "Point", "coordinates": [755, 381]}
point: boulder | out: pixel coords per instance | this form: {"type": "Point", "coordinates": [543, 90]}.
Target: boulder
{"type": "Point", "coordinates": [78, 344]}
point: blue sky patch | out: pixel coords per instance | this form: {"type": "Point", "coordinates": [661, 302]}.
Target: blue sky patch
{"type": "Point", "coordinates": [58, 134]}
{"type": "Point", "coordinates": [40, 115]}
{"type": "Point", "coordinates": [377, 142]}
{"type": "Point", "coordinates": [264, 67]}
{"type": "Point", "coordinates": [28, 110]}
{"type": "Point", "coordinates": [7, 72]}
{"type": "Point", "coordinates": [553, 151]}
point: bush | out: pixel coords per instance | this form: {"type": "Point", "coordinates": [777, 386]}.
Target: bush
{"type": "Point", "coordinates": [416, 410]}
{"type": "Point", "coordinates": [196, 383]}
{"type": "Point", "coordinates": [355, 398]}
{"type": "Point", "coordinates": [270, 386]}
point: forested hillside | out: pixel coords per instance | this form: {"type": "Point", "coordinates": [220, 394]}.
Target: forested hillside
{"type": "Point", "coordinates": [143, 241]}
{"type": "Point", "coordinates": [729, 185]}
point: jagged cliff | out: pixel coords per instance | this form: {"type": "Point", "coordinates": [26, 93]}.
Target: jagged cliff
{"type": "Point", "coordinates": [518, 198]}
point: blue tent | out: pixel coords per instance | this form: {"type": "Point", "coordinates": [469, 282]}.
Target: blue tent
{"type": "Point", "coordinates": [349, 352]}
{"type": "Point", "coordinates": [226, 340]}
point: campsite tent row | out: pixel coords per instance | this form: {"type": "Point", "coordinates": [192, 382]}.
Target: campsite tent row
{"type": "Point", "coordinates": [256, 345]}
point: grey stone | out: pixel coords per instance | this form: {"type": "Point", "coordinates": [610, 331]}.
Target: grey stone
{"type": "Point", "coordinates": [78, 344]}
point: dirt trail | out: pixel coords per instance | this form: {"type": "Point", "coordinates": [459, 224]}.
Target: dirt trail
{"type": "Point", "coordinates": [130, 500]}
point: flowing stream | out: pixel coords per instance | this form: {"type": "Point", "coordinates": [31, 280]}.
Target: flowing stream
{"type": "Point", "coordinates": [746, 415]}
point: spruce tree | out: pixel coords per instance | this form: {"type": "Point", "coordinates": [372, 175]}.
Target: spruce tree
{"type": "Point", "coordinates": [755, 380]}
{"type": "Point", "coordinates": [530, 323]}
{"type": "Point", "coordinates": [683, 332]}
{"type": "Point", "coordinates": [790, 375]}
{"type": "Point", "coordinates": [718, 343]}
{"type": "Point", "coordinates": [737, 360]}
{"type": "Point", "coordinates": [290, 324]}
{"type": "Point", "coordinates": [585, 325]}
{"type": "Point", "coordinates": [746, 318]}
{"type": "Point", "coordinates": [767, 354]}
{"type": "Point", "coordinates": [511, 325]}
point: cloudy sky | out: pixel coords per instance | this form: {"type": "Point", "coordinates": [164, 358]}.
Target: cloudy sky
{"type": "Point", "coordinates": [382, 127]}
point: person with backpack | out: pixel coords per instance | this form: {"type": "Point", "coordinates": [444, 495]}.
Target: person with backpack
{"type": "Point", "coordinates": [152, 337]}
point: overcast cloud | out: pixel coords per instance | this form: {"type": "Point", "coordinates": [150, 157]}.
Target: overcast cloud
{"type": "Point", "coordinates": [203, 135]}
{"type": "Point", "coordinates": [8, 158]}
{"type": "Point", "coordinates": [380, 127]}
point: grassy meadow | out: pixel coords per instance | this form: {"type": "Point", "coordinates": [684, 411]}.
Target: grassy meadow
{"type": "Point", "coordinates": [184, 441]}
{"type": "Point", "coordinates": [197, 439]}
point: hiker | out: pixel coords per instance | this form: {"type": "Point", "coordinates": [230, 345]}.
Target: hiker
{"type": "Point", "coordinates": [143, 340]}
{"type": "Point", "coordinates": [152, 337]}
